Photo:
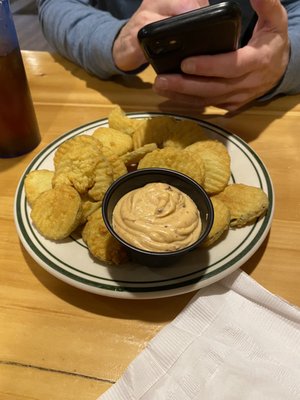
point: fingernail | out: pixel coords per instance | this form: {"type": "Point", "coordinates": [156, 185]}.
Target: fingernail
{"type": "Point", "coordinates": [161, 83]}
{"type": "Point", "coordinates": [188, 67]}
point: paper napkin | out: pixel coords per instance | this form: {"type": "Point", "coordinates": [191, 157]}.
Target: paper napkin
{"type": "Point", "coordinates": [233, 341]}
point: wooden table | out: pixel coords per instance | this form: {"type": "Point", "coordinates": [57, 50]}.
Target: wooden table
{"type": "Point", "coordinates": [58, 342]}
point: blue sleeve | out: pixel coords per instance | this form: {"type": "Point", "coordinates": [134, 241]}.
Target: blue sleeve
{"type": "Point", "coordinates": [81, 33]}
{"type": "Point", "coordinates": [290, 83]}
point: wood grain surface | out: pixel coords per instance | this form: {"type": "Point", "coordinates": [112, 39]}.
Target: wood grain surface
{"type": "Point", "coordinates": [58, 342]}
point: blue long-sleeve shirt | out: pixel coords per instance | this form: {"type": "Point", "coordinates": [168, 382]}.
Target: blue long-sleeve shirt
{"type": "Point", "coordinates": [84, 31]}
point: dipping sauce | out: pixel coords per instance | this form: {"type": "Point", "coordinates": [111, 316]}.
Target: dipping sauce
{"type": "Point", "coordinates": [157, 217]}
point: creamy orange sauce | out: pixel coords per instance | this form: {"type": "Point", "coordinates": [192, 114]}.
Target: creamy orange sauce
{"type": "Point", "coordinates": [157, 217]}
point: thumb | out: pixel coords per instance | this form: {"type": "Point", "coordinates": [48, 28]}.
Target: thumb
{"type": "Point", "coordinates": [271, 14]}
{"type": "Point", "coordinates": [202, 3]}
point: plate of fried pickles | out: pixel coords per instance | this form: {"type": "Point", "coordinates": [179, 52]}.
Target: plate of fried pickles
{"type": "Point", "coordinates": [58, 202]}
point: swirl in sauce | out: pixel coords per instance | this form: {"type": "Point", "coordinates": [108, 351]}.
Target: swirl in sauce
{"type": "Point", "coordinates": [157, 217]}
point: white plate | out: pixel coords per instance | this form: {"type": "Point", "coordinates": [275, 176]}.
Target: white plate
{"type": "Point", "coordinates": [71, 262]}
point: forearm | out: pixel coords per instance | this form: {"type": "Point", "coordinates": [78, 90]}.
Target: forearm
{"type": "Point", "coordinates": [81, 33]}
{"type": "Point", "coordinates": [290, 82]}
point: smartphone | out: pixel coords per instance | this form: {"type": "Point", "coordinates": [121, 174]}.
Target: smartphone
{"type": "Point", "coordinates": [208, 30]}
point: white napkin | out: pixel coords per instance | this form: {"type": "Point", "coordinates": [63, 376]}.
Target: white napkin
{"type": "Point", "coordinates": [234, 340]}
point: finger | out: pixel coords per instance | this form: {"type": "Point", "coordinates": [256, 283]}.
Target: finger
{"type": "Point", "coordinates": [183, 6]}
{"type": "Point", "coordinates": [226, 65]}
{"type": "Point", "coordinates": [203, 87]}
{"type": "Point", "coordinates": [172, 7]}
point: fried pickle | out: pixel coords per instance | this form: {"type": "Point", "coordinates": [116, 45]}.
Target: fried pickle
{"type": "Point", "coordinates": [216, 161]}
{"type": "Point", "coordinates": [183, 134]}
{"type": "Point", "coordinates": [100, 242]}
{"type": "Point", "coordinates": [37, 182]}
{"type": "Point", "coordinates": [175, 159]}
{"type": "Point", "coordinates": [102, 177]}
{"type": "Point", "coordinates": [133, 157]}
{"type": "Point", "coordinates": [153, 130]}
{"type": "Point", "coordinates": [76, 166]}
{"type": "Point", "coordinates": [81, 141]}
{"type": "Point", "coordinates": [57, 212]}
{"type": "Point", "coordinates": [117, 164]}
{"type": "Point", "coordinates": [220, 224]}
{"type": "Point", "coordinates": [246, 203]}
{"type": "Point", "coordinates": [118, 120]}
{"type": "Point", "coordinates": [119, 142]}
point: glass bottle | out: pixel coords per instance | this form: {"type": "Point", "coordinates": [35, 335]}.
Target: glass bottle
{"type": "Point", "coordinates": [19, 131]}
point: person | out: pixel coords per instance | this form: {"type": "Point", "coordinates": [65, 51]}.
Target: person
{"type": "Point", "coordinates": [101, 36]}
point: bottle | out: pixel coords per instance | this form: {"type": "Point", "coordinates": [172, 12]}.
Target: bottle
{"type": "Point", "coordinates": [19, 131]}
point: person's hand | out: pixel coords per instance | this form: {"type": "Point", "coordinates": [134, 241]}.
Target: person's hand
{"type": "Point", "coordinates": [232, 80]}
{"type": "Point", "coordinates": [127, 52]}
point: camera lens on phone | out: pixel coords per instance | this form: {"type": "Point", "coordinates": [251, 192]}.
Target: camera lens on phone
{"type": "Point", "coordinates": [166, 46]}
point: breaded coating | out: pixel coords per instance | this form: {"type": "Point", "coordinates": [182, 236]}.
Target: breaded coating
{"type": "Point", "coordinates": [100, 242]}
{"type": "Point", "coordinates": [119, 142]}
{"type": "Point", "coordinates": [102, 177]}
{"type": "Point", "coordinates": [153, 130]}
{"type": "Point", "coordinates": [88, 207]}
{"type": "Point", "coordinates": [220, 224]}
{"type": "Point", "coordinates": [37, 182]}
{"type": "Point", "coordinates": [77, 165]}
{"type": "Point", "coordinates": [57, 212]}
{"type": "Point", "coordinates": [175, 159]}
{"type": "Point", "coordinates": [81, 141]}
{"type": "Point", "coordinates": [133, 157]}
{"type": "Point", "coordinates": [183, 134]}
{"type": "Point", "coordinates": [246, 203]}
{"type": "Point", "coordinates": [118, 120]}
{"type": "Point", "coordinates": [216, 161]}
{"type": "Point", "coordinates": [117, 164]}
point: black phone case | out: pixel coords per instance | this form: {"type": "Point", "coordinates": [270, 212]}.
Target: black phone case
{"type": "Point", "coordinates": [209, 30]}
